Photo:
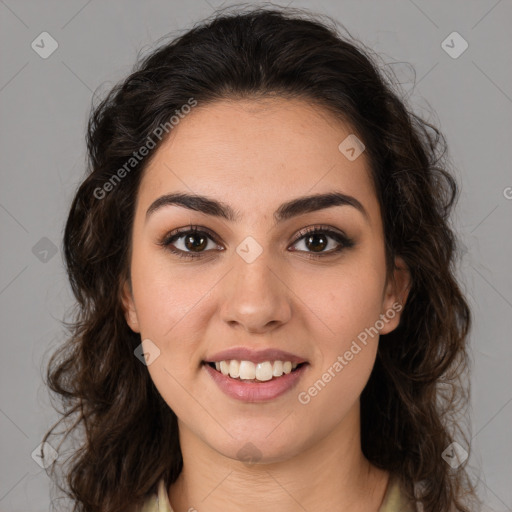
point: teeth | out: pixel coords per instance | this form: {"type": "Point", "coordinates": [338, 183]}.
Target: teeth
{"type": "Point", "coordinates": [264, 371]}
{"type": "Point", "coordinates": [224, 367]}
{"type": "Point", "coordinates": [247, 370]}
{"type": "Point", "coordinates": [234, 368]}
{"type": "Point", "coordinates": [278, 369]}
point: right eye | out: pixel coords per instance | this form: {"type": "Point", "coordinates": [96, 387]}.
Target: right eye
{"type": "Point", "coordinates": [193, 240]}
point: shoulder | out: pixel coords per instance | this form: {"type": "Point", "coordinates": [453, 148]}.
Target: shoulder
{"type": "Point", "coordinates": [159, 501]}
{"type": "Point", "coordinates": [395, 498]}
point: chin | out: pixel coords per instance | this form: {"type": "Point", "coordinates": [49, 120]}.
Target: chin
{"type": "Point", "coordinates": [258, 450]}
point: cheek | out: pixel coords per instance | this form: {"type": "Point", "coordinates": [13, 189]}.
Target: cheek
{"type": "Point", "coordinates": [346, 301]}
{"type": "Point", "coordinates": [332, 392]}
{"type": "Point", "coordinates": [166, 296]}
{"type": "Point", "coordinates": [173, 305]}
{"type": "Point", "coordinates": [348, 305]}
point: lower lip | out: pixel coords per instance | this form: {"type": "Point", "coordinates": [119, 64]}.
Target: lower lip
{"type": "Point", "coordinates": [256, 391]}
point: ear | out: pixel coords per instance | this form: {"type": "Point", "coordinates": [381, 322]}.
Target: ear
{"type": "Point", "coordinates": [395, 296]}
{"type": "Point", "coordinates": [129, 307]}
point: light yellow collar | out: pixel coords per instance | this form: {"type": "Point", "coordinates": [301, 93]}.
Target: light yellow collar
{"type": "Point", "coordinates": [393, 500]}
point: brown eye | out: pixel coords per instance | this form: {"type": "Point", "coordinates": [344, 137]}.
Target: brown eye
{"type": "Point", "coordinates": [189, 242]}
{"type": "Point", "coordinates": [316, 242]}
{"type": "Point", "coordinates": [316, 239]}
{"type": "Point", "coordinates": [192, 242]}
{"type": "Point", "coordinates": [195, 242]}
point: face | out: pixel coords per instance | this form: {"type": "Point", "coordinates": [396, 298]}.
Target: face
{"type": "Point", "coordinates": [308, 280]}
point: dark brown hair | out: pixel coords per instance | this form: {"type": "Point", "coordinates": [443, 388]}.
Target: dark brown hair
{"type": "Point", "coordinates": [410, 406]}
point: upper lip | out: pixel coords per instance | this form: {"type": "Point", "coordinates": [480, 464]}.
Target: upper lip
{"type": "Point", "coordinates": [256, 356]}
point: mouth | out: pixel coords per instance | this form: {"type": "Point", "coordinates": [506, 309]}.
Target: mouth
{"type": "Point", "coordinates": [255, 382]}
{"type": "Point", "coordinates": [244, 373]}
{"type": "Point", "coordinates": [247, 371]}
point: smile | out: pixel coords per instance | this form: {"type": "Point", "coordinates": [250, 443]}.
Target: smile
{"type": "Point", "coordinates": [249, 371]}
{"type": "Point", "coordinates": [247, 381]}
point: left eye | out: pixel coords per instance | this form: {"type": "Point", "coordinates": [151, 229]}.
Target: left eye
{"type": "Point", "coordinates": [316, 240]}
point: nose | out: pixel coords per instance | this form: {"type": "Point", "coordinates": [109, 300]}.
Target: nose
{"type": "Point", "coordinates": [256, 297]}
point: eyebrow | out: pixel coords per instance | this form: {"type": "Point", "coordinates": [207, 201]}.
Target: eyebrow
{"type": "Point", "coordinates": [287, 210]}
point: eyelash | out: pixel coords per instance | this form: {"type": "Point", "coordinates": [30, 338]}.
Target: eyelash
{"type": "Point", "coordinates": [344, 241]}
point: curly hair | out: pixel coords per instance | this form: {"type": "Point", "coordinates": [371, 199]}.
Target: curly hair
{"type": "Point", "coordinates": [410, 406]}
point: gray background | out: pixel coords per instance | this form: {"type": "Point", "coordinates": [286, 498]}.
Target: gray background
{"type": "Point", "coordinates": [44, 104]}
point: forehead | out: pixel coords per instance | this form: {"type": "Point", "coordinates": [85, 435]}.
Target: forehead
{"type": "Point", "coordinates": [254, 154]}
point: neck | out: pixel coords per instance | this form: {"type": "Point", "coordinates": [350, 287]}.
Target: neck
{"type": "Point", "coordinates": [333, 474]}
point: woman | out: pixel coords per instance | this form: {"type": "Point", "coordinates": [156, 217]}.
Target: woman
{"type": "Point", "coordinates": [268, 314]}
